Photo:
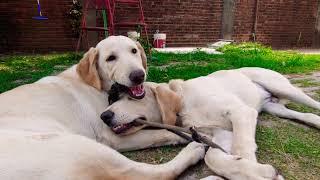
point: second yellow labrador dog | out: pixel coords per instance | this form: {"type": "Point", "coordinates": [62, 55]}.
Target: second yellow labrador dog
{"type": "Point", "coordinates": [226, 105]}
{"type": "Point", "coordinates": [51, 129]}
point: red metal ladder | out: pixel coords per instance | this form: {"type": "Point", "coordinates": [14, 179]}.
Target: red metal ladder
{"type": "Point", "coordinates": [98, 6]}
{"type": "Point", "coordinates": [138, 22]}
{"type": "Point", "coordinates": [110, 6]}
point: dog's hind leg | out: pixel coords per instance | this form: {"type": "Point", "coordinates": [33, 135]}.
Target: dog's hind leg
{"type": "Point", "coordinates": [285, 90]}
{"type": "Point", "coordinates": [281, 111]}
{"type": "Point", "coordinates": [279, 86]}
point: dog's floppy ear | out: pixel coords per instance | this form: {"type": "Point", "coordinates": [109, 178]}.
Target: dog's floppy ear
{"type": "Point", "coordinates": [88, 70]}
{"type": "Point", "coordinates": [169, 104]}
{"type": "Point", "coordinates": [143, 55]}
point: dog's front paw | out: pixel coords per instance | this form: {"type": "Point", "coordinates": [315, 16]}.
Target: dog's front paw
{"type": "Point", "coordinates": [195, 150]}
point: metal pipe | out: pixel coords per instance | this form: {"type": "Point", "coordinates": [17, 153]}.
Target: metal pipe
{"type": "Point", "coordinates": [254, 34]}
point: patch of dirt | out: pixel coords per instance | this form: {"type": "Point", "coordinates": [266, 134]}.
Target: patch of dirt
{"type": "Point", "coordinates": [58, 69]}
{"type": "Point", "coordinates": [309, 83]}
{"type": "Point", "coordinates": [200, 63]}
{"type": "Point", "coordinates": [21, 81]}
{"type": "Point", "coordinates": [313, 76]}
{"type": "Point", "coordinates": [270, 121]}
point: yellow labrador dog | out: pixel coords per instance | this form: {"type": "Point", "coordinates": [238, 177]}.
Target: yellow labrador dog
{"type": "Point", "coordinates": [226, 105]}
{"type": "Point", "coordinates": [51, 129]}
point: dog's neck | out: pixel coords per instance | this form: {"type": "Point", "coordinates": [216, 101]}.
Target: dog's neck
{"type": "Point", "coordinates": [72, 73]}
{"type": "Point", "coordinates": [106, 84]}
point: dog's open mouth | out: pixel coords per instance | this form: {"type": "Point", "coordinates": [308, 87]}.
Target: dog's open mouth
{"type": "Point", "coordinates": [122, 128]}
{"type": "Point", "coordinates": [137, 92]}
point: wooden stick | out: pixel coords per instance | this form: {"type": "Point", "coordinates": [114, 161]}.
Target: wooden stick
{"type": "Point", "coordinates": [204, 139]}
{"type": "Point", "coordinates": [181, 134]}
{"type": "Point", "coordinates": [163, 126]}
{"type": "Point", "coordinates": [175, 129]}
{"type": "Point", "coordinates": [178, 130]}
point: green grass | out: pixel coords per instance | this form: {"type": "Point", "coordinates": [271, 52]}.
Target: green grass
{"type": "Point", "coordinates": [18, 70]}
{"type": "Point", "coordinates": [165, 66]}
{"type": "Point", "coordinates": [292, 148]}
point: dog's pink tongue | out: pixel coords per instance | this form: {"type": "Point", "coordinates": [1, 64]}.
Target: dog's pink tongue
{"type": "Point", "coordinates": [137, 90]}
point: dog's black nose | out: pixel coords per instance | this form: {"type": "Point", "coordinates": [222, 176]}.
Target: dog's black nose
{"type": "Point", "coordinates": [137, 77]}
{"type": "Point", "coordinates": [107, 117]}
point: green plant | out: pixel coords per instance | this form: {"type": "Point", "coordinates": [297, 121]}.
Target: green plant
{"type": "Point", "coordinates": [75, 14]}
{"type": "Point", "coordinates": [146, 46]}
{"type": "Point", "coordinates": [144, 42]}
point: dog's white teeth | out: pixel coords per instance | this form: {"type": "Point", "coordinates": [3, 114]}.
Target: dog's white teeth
{"type": "Point", "coordinates": [137, 90]}
{"type": "Point", "coordinates": [139, 93]}
{"type": "Point", "coordinates": [119, 127]}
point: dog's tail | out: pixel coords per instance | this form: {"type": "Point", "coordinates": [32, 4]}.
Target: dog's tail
{"type": "Point", "coordinates": [176, 86]}
{"type": "Point", "coordinates": [278, 86]}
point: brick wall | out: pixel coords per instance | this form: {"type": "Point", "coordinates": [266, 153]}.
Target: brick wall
{"type": "Point", "coordinates": [186, 23]}
{"type": "Point", "coordinates": [243, 20]}
{"type": "Point", "coordinates": [23, 34]}
{"type": "Point", "coordinates": [281, 23]}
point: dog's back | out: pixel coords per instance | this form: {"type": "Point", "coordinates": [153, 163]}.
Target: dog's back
{"type": "Point", "coordinates": [53, 103]}
{"type": "Point", "coordinates": [222, 84]}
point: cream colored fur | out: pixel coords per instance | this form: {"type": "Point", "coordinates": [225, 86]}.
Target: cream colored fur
{"type": "Point", "coordinates": [224, 104]}
{"type": "Point", "coordinates": [51, 129]}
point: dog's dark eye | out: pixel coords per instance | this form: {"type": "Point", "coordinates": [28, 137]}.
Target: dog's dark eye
{"type": "Point", "coordinates": [134, 50]}
{"type": "Point", "coordinates": [111, 58]}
